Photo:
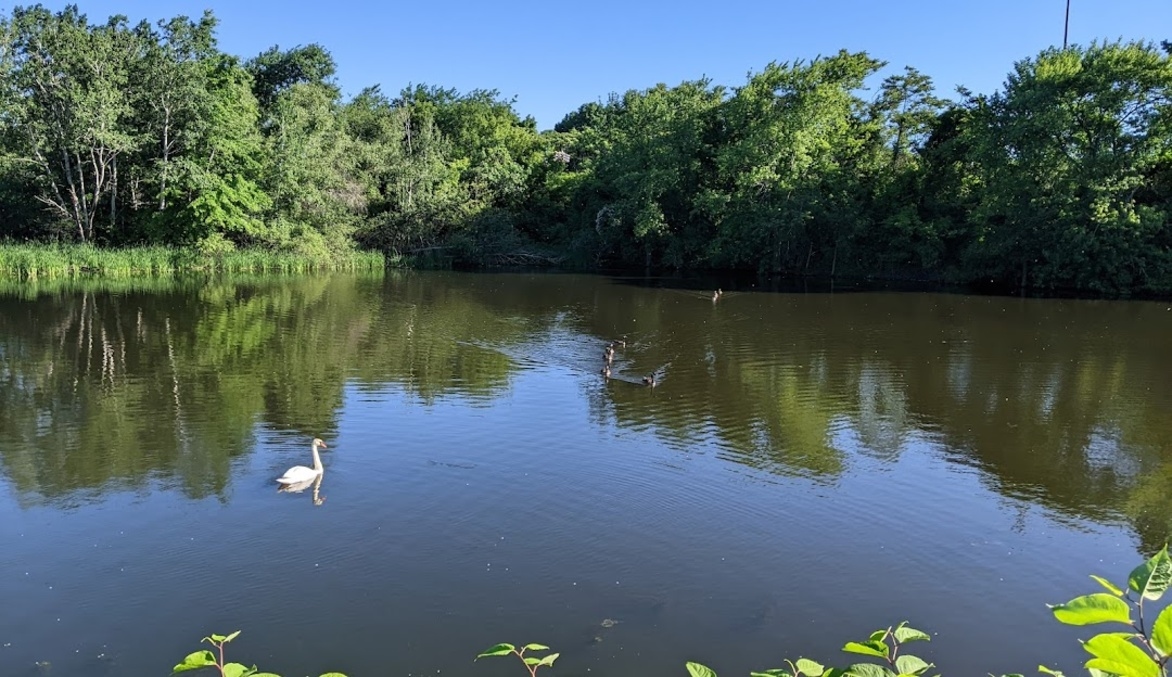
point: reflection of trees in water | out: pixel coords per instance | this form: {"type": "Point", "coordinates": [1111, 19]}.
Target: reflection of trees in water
{"type": "Point", "coordinates": [1058, 402]}
{"type": "Point", "coordinates": [166, 385]}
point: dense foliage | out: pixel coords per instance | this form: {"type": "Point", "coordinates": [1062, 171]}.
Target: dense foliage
{"type": "Point", "coordinates": [119, 134]}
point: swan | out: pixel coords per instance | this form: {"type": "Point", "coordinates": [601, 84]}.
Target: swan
{"type": "Point", "coordinates": [300, 473]}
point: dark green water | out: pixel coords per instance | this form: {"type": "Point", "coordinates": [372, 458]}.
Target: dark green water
{"type": "Point", "coordinates": [809, 467]}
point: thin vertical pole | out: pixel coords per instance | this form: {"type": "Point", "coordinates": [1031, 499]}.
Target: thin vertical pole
{"type": "Point", "coordinates": [1066, 26]}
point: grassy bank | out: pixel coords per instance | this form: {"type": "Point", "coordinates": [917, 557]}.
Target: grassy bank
{"type": "Point", "coordinates": [46, 261]}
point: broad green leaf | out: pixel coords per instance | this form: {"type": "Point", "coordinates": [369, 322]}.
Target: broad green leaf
{"type": "Point", "coordinates": [498, 650]}
{"type": "Point", "coordinates": [905, 634]}
{"type": "Point", "coordinates": [772, 672]}
{"type": "Point", "coordinates": [911, 665]}
{"type": "Point", "coordinates": [536, 647]}
{"type": "Point", "coordinates": [878, 636]}
{"type": "Point", "coordinates": [1108, 585]}
{"type": "Point", "coordinates": [232, 636]}
{"type": "Point", "coordinates": [868, 649]}
{"type": "Point", "coordinates": [700, 670]}
{"type": "Point", "coordinates": [194, 661]}
{"type": "Point", "coordinates": [325, 674]}
{"type": "Point", "coordinates": [216, 638]}
{"type": "Point", "coordinates": [1152, 578]}
{"type": "Point", "coordinates": [1162, 632]}
{"type": "Point", "coordinates": [1115, 654]}
{"type": "Point", "coordinates": [531, 660]}
{"type": "Point", "coordinates": [548, 660]}
{"type": "Point", "coordinates": [869, 670]}
{"type": "Point", "coordinates": [1045, 670]}
{"type": "Point", "coordinates": [809, 667]}
{"type": "Point", "coordinates": [238, 670]}
{"type": "Point", "coordinates": [1098, 607]}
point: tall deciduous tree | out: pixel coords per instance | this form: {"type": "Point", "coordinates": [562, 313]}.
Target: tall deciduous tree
{"type": "Point", "coordinates": [67, 87]}
{"type": "Point", "coordinates": [795, 132]}
{"type": "Point", "coordinates": [1068, 154]}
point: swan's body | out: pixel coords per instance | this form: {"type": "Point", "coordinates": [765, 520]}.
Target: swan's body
{"type": "Point", "coordinates": [299, 473]}
{"type": "Point", "coordinates": [298, 487]}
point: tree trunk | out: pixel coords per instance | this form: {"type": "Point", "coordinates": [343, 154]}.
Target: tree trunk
{"type": "Point", "coordinates": [166, 160]}
{"type": "Point", "coordinates": [114, 194]}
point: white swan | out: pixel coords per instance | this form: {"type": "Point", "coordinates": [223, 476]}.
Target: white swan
{"type": "Point", "coordinates": [300, 473]}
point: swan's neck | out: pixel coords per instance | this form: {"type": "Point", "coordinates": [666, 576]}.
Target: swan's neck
{"type": "Point", "coordinates": [316, 459]}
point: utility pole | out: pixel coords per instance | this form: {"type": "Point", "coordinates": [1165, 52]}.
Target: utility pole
{"type": "Point", "coordinates": [1066, 27]}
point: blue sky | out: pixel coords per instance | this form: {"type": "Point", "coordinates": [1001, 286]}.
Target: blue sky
{"type": "Point", "coordinates": [556, 55]}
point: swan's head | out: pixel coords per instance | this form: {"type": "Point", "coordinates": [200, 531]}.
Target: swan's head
{"type": "Point", "coordinates": [318, 443]}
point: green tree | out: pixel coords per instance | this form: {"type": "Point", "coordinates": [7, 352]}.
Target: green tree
{"type": "Point", "coordinates": [67, 86]}
{"type": "Point", "coordinates": [1069, 153]}
{"type": "Point", "coordinates": [275, 71]}
{"type": "Point", "coordinates": [787, 174]}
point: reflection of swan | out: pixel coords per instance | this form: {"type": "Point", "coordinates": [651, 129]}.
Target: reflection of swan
{"type": "Point", "coordinates": [299, 487]}
{"type": "Point", "coordinates": [300, 473]}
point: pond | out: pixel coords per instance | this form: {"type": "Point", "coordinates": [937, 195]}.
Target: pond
{"type": "Point", "coordinates": [807, 468]}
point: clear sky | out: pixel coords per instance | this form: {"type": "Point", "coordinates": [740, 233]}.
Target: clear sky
{"type": "Point", "coordinates": [555, 55]}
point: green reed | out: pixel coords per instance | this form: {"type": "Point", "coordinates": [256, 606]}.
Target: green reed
{"type": "Point", "coordinates": [52, 261]}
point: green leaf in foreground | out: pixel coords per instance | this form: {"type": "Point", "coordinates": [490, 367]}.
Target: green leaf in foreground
{"type": "Point", "coordinates": [809, 667]}
{"type": "Point", "coordinates": [870, 648]}
{"type": "Point", "coordinates": [498, 650]}
{"type": "Point", "coordinates": [548, 660]}
{"type": "Point", "coordinates": [868, 670]}
{"type": "Point", "coordinates": [195, 661]}
{"type": "Point", "coordinates": [1162, 632]}
{"type": "Point", "coordinates": [905, 634]}
{"type": "Point", "coordinates": [1113, 653]}
{"type": "Point", "coordinates": [1108, 585]}
{"type": "Point", "coordinates": [536, 647]}
{"type": "Point", "coordinates": [1098, 607]}
{"type": "Point", "coordinates": [238, 670]}
{"type": "Point", "coordinates": [911, 665]}
{"type": "Point", "coordinates": [700, 670]}
{"type": "Point", "coordinates": [1152, 578]}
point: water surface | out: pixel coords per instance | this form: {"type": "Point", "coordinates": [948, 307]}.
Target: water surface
{"type": "Point", "coordinates": [809, 467]}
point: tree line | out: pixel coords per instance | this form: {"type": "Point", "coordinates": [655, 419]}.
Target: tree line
{"type": "Point", "coordinates": [119, 134]}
